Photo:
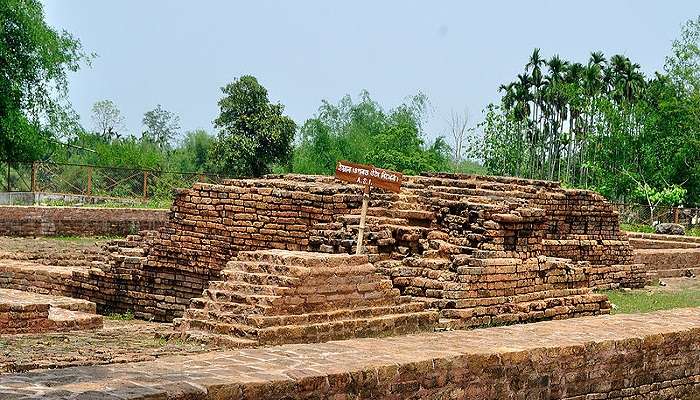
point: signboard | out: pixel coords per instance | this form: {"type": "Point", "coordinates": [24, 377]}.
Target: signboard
{"type": "Point", "coordinates": [369, 176]}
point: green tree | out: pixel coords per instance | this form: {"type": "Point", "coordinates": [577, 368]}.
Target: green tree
{"type": "Point", "coordinates": [162, 126]}
{"type": "Point", "coordinates": [253, 132]}
{"type": "Point", "coordinates": [192, 155]}
{"type": "Point", "coordinates": [107, 119]}
{"type": "Point", "coordinates": [683, 64]}
{"type": "Point", "coordinates": [35, 60]}
{"type": "Point", "coordinates": [363, 132]}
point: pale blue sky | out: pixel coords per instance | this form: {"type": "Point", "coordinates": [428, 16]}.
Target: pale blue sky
{"type": "Point", "coordinates": [180, 52]}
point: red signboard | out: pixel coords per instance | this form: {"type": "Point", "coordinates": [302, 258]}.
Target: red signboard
{"type": "Point", "coordinates": [369, 176]}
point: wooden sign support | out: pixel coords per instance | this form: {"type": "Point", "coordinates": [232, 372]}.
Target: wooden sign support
{"type": "Point", "coordinates": [363, 216]}
{"type": "Point", "coordinates": [368, 176]}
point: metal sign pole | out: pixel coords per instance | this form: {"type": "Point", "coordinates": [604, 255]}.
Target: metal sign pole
{"type": "Point", "coordinates": [363, 215]}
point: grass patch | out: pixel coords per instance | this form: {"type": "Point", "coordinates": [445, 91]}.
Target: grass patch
{"type": "Point", "coordinates": [646, 301]}
{"type": "Point", "coordinates": [127, 316]}
{"type": "Point", "coordinates": [637, 228]}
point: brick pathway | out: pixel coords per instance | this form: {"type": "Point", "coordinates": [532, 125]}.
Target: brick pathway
{"type": "Point", "coordinates": [434, 360]}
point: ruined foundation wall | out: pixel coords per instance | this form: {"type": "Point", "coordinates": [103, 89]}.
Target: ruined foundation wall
{"type": "Point", "coordinates": [77, 221]}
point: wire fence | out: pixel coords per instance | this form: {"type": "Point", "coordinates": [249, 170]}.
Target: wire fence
{"type": "Point", "coordinates": [642, 214]}
{"type": "Point", "coordinates": [130, 183]}
{"type": "Point", "coordinates": [96, 181]}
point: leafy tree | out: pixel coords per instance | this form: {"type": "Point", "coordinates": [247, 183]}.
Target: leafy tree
{"type": "Point", "coordinates": [253, 132]}
{"type": "Point", "coordinates": [162, 126]}
{"type": "Point", "coordinates": [107, 119]}
{"type": "Point", "coordinates": [193, 153]}
{"type": "Point", "coordinates": [683, 65]}
{"type": "Point", "coordinates": [363, 132]}
{"type": "Point", "coordinates": [35, 60]}
{"type": "Point", "coordinates": [602, 125]}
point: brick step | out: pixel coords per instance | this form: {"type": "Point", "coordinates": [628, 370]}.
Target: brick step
{"type": "Point", "coordinates": [201, 303]}
{"type": "Point", "coordinates": [247, 288]}
{"type": "Point", "coordinates": [255, 267]}
{"type": "Point", "coordinates": [431, 302]}
{"type": "Point", "coordinates": [218, 327]}
{"type": "Point", "coordinates": [558, 312]}
{"type": "Point", "coordinates": [284, 259]}
{"type": "Point", "coordinates": [525, 306]}
{"type": "Point", "coordinates": [440, 297]}
{"type": "Point", "coordinates": [227, 341]}
{"type": "Point", "coordinates": [266, 321]}
{"type": "Point", "coordinates": [385, 325]}
{"type": "Point", "coordinates": [63, 320]}
{"type": "Point", "coordinates": [226, 296]}
{"type": "Point", "coordinates": [259, 278]}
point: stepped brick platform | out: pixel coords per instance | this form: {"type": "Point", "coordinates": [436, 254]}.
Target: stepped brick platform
{"type": "Point", "coordinates": [550, 245]}
{"type": "Point", "coordinates": [649, 356]}
{"type": "Point", "coordinates": [282, 296]}
{"type": "Point", "coordinates": [667, 256]}
{"type": "Point", "coordinates": [23, 312]}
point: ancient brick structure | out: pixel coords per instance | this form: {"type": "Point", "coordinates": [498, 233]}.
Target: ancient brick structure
{"type": "Point", "coordinates": [77, 221]}
{"type": "Point", "coordinates": [667, 256]}
{"type": "Point", "coordinates": [481, 250]}
{"type": "Point", "coordinates": [281, 296]}
{"type": "Point", "coordinates": [23, 312]}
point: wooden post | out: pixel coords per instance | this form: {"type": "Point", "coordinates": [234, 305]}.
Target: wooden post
{"type": "Point", "coordinates": [34, 167]}
{"type": "Point", "coordinates": [145, 185]}
{"type": "Point", "coordinates": [363, 215]}
{"type": "Point", "coordinates": [8, 176]}
{"type": "Point", "coordinates": [89, 180]}
{"type": "Point", "coordinates": [675, 215]}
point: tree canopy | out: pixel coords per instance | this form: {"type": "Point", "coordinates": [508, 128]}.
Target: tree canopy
{"type": "Point", "coordinates": [600, 124]}
{"type": "Point", "coordinates": [35, 60]}
{"type": "Point", "coordinates": [363, 132]}
{"type": "Point", "coordinates": [253, 132]}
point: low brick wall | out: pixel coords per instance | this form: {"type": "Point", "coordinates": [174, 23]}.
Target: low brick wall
{"type": "Point", "coordinates": [668, 263]}
{"type": "Point", "coordinates": [650, 356]}
{"type": "Point", "coordinates": [77, 221]}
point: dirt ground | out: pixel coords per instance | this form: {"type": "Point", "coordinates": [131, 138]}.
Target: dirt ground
{"type": "Point", "coordinates": [119, 341]}
{"type": "Point", "coordinates": [671, 285]}
{"type": "Point", "coordinates": [56, 250]}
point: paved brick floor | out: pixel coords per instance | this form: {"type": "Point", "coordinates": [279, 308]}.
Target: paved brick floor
{"type": "Point", "coordinates": [274, 372]}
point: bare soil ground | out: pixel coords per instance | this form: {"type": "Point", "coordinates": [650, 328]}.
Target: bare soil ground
{"type": "Point", "coordinates": [118, 342]}
{"type": "Point", "coordinates": [52, 251]}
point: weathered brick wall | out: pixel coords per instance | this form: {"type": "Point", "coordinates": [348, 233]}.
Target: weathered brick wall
{"type": "Point", "coordinates": [77, 221]}
{"type": "Point", "coordinates": [667, 263]}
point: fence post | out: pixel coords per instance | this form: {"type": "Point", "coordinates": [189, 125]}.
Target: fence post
{"type": "Point", "coordinates": [34, 164]}
{"type": "Point", "coordinates": [8, 176]}
{"type": "Point", "coordinates": [675, 215]}
{"type": "Point", "coordinates": [145, 185]}
{"type": "Point", "coordinates": [89, 180]}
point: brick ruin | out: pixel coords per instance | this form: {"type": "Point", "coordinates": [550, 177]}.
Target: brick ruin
{"type": "Point", "coordinates": [449, 251]}
{"type": "Point", "coordinates": [667, 256]}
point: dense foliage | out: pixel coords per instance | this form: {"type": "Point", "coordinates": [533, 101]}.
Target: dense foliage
{"type": "Point", "coordinates": [34, 60]}
{"type": "Point", "coordinates": [363, 132]}
{"type": "Point", "coordinates": [253, 132]}
{"type": "Point", "coordinates": [602, 124]}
